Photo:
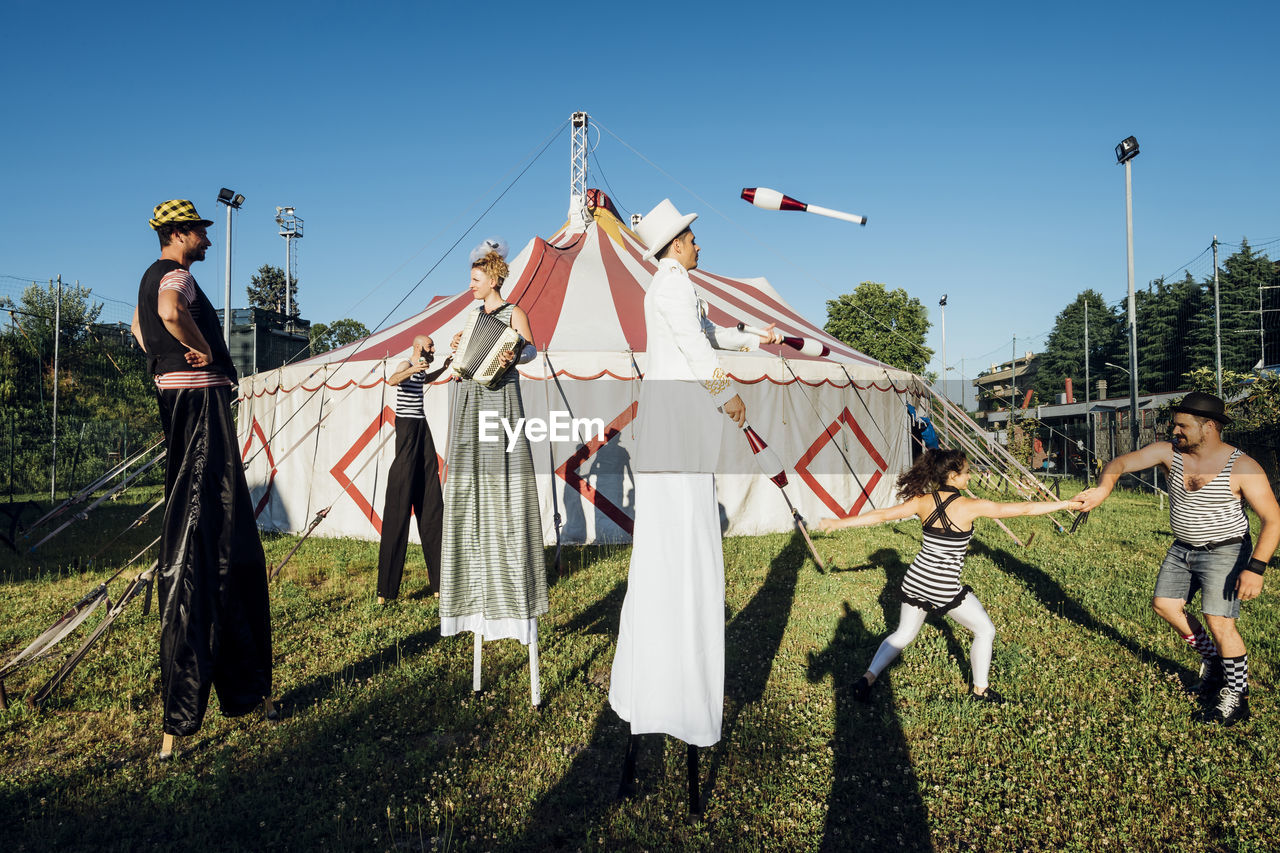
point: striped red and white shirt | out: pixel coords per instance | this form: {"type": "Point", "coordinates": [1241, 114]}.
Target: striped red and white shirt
{"type": "Point", "coordinates": [184, 284]}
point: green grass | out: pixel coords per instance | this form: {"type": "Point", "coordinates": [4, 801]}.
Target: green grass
{"type": "Point", "coordinates": [384, 747]}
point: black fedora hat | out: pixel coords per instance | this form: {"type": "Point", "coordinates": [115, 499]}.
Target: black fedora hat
{"type": "Point", "coordinates": [1204, 406]}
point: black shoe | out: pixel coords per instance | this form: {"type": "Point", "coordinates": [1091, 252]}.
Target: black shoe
{"type": "Point", "coordinates": [1231, 707]}
{"type": "Point", "coordinates": [1212, 680]}
{"type": "Point", "coordinates": [990, 696]}
{"type": "Point", "coordinates": [862, 690]}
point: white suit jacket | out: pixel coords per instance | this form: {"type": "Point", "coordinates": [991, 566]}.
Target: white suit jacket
{"type": "Point", "coordinates": [678, 424]}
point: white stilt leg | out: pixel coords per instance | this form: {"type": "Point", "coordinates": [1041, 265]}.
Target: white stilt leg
{"type": "Point", "coordinates": [475, 663]}
{"type": "Point", "coordinates": [535, 684]}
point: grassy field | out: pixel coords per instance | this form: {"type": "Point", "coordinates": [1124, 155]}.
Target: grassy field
{"type": "Point", "coordinates": [383, 746]}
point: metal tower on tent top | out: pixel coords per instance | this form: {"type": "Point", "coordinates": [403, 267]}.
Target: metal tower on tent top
{"type": "Point", "coordinates": [578, 214]}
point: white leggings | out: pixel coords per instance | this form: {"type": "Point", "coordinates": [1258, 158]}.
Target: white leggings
{"type": "Point", "coordinates": [969, 613]}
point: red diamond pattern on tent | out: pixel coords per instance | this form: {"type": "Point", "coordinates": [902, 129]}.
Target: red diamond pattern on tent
{"type": "Point", "coordinates": [569, 470]}
{"type": "Point", "coordinates": [339, 471]}
{"type": "Point", "coordinates": [387, 417]}
{"type": "Point", "coordinates": [256, 431]}
{"type": "Point", "coordinates": [829, 435]}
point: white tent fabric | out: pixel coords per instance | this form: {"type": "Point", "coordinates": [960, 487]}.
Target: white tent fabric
{"type": "Point", "coordinates": [320, 433]}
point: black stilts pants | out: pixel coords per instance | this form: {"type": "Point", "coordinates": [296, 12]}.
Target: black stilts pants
{"type": "Point", "coordinates": [413, 484]}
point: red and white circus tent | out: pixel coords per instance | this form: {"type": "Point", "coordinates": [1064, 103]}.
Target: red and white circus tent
{"type": "Point", "coordinates": [319, 433]}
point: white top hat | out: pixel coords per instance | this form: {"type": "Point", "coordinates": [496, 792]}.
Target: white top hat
{"type": "Point", "coordinates": [660, 226]}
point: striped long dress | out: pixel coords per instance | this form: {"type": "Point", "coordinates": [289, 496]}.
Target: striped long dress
{"type": "Point", "coordinates": [493, 576]}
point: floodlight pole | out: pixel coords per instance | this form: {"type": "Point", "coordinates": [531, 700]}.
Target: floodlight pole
{"type": "Point", "coordinates": [1125, 152]}
{"type": "Point", "coordinates": [1217, 322]}
{"type": "Point", "coordinates": [232, 200]}
{"type": "Point", "coordinates": [226, 317]}
{"type": "Point", "coordinates": [290, 229]}
{"type": "Point", "coordinates": [942, 304]}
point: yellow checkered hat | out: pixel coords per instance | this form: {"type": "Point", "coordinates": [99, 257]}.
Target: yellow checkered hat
{"type": "Point", "coordinates": [177, 210]}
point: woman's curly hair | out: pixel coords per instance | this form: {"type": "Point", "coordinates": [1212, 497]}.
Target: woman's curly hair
{"type": "Point", "coordinates": [493, 266]}
{"type": "Point", "coordinates": [930, 472]}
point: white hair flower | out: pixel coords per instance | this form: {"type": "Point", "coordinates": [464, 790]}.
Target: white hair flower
{"type": "Point", "coordinates": [491, 244]}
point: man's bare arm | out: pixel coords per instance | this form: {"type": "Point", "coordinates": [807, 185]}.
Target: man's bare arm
{"type": "Point", "coordinates": [177, 320]}
{"type": "Point", "coordinates": [136, 328]}
{"type": "Point", "coordinates": [1156, 453]}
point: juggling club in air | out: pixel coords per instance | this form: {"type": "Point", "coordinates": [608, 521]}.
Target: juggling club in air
{"type": "Point", "coordinates": [774, 200]}
{"type": "Point", "coordinates": [807, 346]}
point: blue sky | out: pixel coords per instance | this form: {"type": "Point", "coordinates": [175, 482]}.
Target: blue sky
{"type": "Point", "coordinates": [978, 139]}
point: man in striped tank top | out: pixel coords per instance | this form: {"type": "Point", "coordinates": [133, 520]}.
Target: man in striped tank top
{"type": "Point", "coordinates": [215, 616]}
{"type": "Point", "coordinates": [1209, 483]}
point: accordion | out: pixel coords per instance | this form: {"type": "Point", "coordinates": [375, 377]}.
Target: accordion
{"type": "Point", "coordinates": [485, 339]}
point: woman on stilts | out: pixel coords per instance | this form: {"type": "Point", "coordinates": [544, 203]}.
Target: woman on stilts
{"type": "Point", "coordinates": [493, 576]}
{"type": "Point", "coordinates": [931, 490]}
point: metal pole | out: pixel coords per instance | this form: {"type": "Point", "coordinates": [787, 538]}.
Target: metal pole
{"type": "Point", "coordinates": [226, 319]}
{"type": "Point", "coordinates": [943, 306]}
{"type": "Point", "coordinates": [1086, 352]}
{"type": "Point", "coordinates": [288, 274]}
{"type": "Point", "coordinates": [1013, 378]}
{"type": "Point", "coordinates": [1217, 321]}
{"type": "Point", "coordinates": [1133, 314]}
{"type": "Point", "coordinates": [1091, 445]}
{"type": "Point", "coordinates": [57, 333]}
{"type": "Point", "coordinates": [1013, 390]}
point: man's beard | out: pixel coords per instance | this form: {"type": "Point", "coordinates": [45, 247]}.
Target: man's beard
{"type": "Point", "coordinates": [1183, 443]}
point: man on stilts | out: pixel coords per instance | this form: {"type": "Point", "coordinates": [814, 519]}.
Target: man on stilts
{"type": "Point", "coordinates": [668, 670]}
{"type": "Point", "coordinates": [215, 616]}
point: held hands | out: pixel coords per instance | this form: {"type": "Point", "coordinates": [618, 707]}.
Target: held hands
{"type": "Point", "coordinates": [506, 358]}
{"type": "Point", "coordinates": [772, 336]}
{"type": "Point", "coordinates": [1089, 498]}
{"type": "Point", "coordinates": [453, 345]}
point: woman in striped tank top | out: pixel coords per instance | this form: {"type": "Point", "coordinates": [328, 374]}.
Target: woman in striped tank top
{"type": "Point", "coordinates": [931, 489]}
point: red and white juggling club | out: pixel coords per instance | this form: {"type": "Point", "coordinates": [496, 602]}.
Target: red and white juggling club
{"type": "Point", "coordinates": [772, 468]}
{"type": "Point", "coordinates": [807, 346]}
{"type": "Point", "coordinates": [774, 200]}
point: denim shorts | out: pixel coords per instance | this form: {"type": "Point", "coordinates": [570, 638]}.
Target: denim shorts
{"type": "Point", "coordinates": [1213, 572]}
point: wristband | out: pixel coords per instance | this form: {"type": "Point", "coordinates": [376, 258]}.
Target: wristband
{"type": "Point", "coordinates": [1256, 566]}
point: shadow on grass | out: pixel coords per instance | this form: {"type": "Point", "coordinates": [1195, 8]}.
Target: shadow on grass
{"type": "Point", "coordinates": [324, 685]}
{"type": "Point", "coordinates": [875, 801]}
{"type": "Point", "coordinates": [586, 792]}
{"type": "Point", "coordinates": [575, 559]}
{"type": "Point", "coordinates": [752, 641]}
{"type": "Point", "coordinates": [1055, 599]}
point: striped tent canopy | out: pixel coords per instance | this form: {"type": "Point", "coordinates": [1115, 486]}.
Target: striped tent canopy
{"type": "Point", "coordinates": [318, 434]}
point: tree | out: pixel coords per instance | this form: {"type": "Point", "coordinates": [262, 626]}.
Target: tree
{"type": "Point", "coordinates": [341, 333]}
{"type": "Point", "coordinates": [888, 325]}
{"type": "Point", "coordinates": [1175, 323]}
{"type": "Point", "coordinates": [1064, 354]}
{"type": "Point", "coordinates": [266, 291]}
{"type": "Point", "coordinates": [1241, 276]}
{"type": "Point", "coordinates": [34, 315]}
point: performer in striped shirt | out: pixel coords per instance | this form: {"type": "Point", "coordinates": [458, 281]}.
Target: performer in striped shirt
{"type": "Point", "coordinates": [931, 489]}
{"type": "Point", "coordinates": [1209, 483]}
{"type": "Point", "coordinates": [413, 483]}
{"type": "Point", "coordinates": [215, 617]}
